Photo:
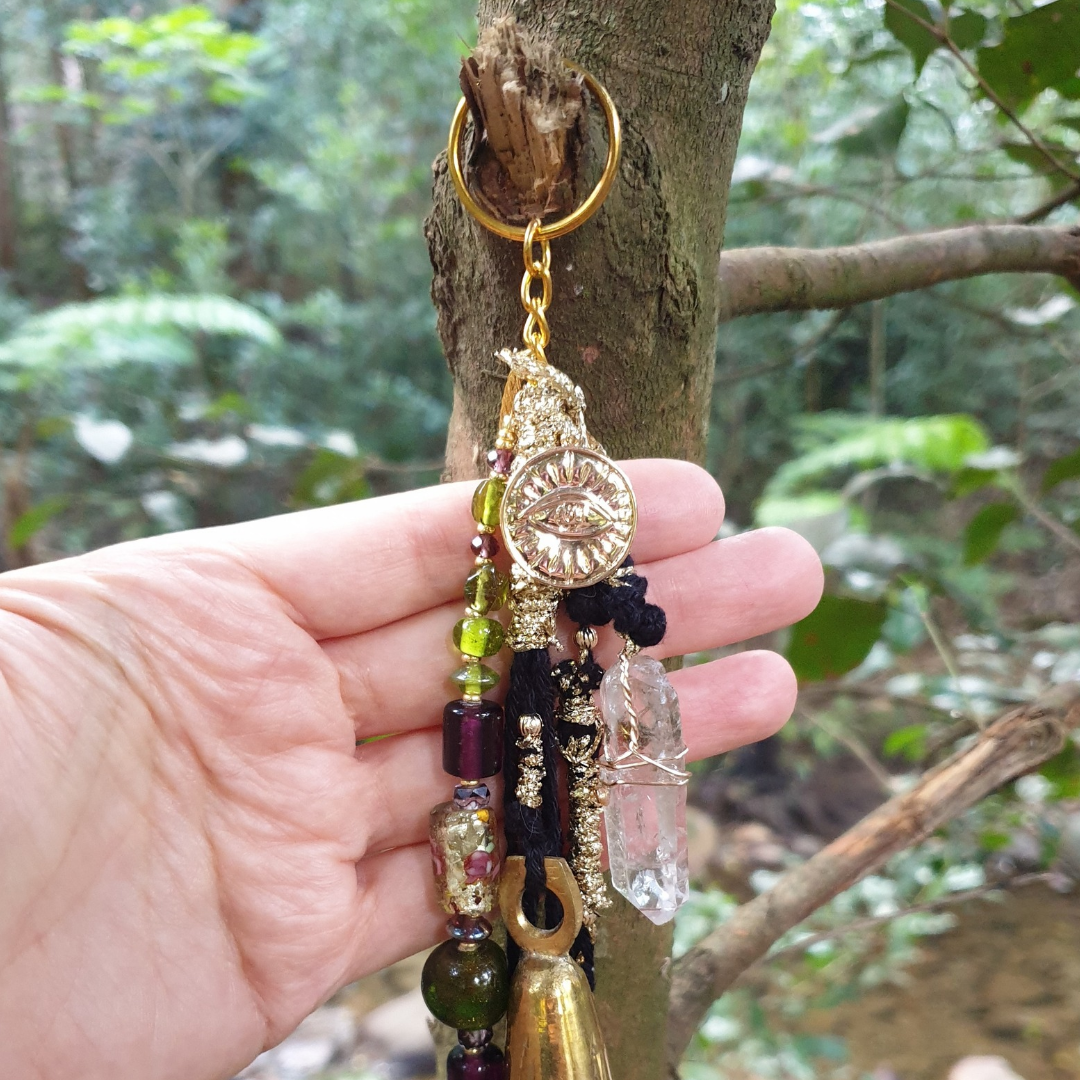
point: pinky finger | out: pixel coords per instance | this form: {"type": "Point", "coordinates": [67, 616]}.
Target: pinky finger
{"type": "Point", "coordinates": [733, 701]}
{"type": "Point", "coordinates": [397, 913]}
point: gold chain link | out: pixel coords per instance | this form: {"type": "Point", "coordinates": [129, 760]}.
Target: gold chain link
{"type": "Point", "coordinates": [536, 333]}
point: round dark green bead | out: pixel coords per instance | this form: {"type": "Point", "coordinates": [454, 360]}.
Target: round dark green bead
{"type": "Point", "coordinates": [465, 985]}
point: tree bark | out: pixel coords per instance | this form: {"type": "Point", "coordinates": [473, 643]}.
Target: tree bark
{"type": "Point", "coordinates": [634, 314]}
{"type": "Point", "coordinates": [1017, 743]}
{"type": "Point", "coordinates": [764, 279]}
{"type": "Point", "coordinates": [636, 296]}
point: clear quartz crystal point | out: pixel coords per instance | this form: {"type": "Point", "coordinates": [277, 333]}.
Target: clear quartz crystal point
{"type": "Point", "coordinates": [645, 817]}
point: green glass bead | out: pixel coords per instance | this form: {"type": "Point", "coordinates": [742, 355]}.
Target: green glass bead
{"type": "Point", "coordinates": [475, 679]}
{"type": "Point", "coordinates": [486, 589]}
{"type": "Point", "coordinates": [465, 985]}
{"type": "Point", "coordinates": [477, 636]}
{"type": "Point", "coordinates": [487, 500]}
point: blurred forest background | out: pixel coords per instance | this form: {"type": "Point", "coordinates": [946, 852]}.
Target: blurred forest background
{"type": "Point", "coordinates": [214, 306]}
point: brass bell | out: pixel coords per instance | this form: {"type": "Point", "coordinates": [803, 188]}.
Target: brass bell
{"type": "Point", "coordinates": [554, 1033]}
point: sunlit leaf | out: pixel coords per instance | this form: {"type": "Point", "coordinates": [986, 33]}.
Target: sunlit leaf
{"type": "Point", "coordinates": [938, 444]}
{"type": "Point", "coordinates": [906, 742]}
{"type": "Point", "coordinates": [984, 531]}
{"type": "Point", "coordinates": [835, 637]}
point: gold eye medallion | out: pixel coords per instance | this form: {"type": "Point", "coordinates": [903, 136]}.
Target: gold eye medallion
{"type": "Point", "coordinates": [568, 517]}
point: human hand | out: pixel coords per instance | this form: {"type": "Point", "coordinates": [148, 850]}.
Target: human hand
{"type": "Point", "coordinates": [196, 851]}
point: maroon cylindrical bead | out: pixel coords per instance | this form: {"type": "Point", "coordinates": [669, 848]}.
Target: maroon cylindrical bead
{"type": "Point", "coordinates": [487, 1063]}
{"type": "Point", "coordinates": [472, 739]}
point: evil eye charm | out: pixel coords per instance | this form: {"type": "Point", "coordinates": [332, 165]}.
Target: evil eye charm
{"type": "Point", "coordinates": [568, 517]}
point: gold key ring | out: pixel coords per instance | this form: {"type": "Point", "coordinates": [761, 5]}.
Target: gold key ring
{"type": "Point", "coordinates": [576, 217]}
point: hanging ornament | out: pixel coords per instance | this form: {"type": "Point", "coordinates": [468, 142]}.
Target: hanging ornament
{"type": "Point", "coordinates": [567, 515]}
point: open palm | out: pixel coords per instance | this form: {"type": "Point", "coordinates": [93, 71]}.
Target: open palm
{"type": "Point", "coordinates": [196, 850]}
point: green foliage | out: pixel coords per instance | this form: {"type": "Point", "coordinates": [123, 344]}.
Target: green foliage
{"type": "Point", "coordinates": [140, 329]}
{"type": "Point", "coordinates": [909, 21]}
{"type": "Point", "coordinates": [26, 525]}
{"type": "Point", "coordinates": [1037, 52]}
{"type": "Point", "coordinates": [983, 532]}
{"type": "Point", "coordinates": [163, 61]}
{"type": "Point", "coordinates": [936, 444]}
{"type": "Point", "coordinates": [1060, 470]}
{"type": "Point", "coordinates": [835, 638]}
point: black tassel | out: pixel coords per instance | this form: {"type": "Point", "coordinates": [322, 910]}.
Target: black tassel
{"type": "Point", "coordinates": [534, 832]}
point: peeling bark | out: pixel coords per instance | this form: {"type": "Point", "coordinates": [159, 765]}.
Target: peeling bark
{"type": "Point", "coordinates": [636, 297]}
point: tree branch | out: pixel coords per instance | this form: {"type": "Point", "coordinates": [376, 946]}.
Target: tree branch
{"type": "Point", "coordinates": [761, 279]}
{"type": "Point", "coordinates": [1018, 742]}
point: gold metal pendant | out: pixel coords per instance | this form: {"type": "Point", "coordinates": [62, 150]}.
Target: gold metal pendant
{"type": "Point", "coordinates": [568, 517]}
{"type": "Point", "coordinates": [554, 1033]}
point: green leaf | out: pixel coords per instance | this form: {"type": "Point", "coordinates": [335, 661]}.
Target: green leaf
{"type": "Point", "coordinates": [900, 21]}
{"type": "Point", "coordinates": [132, 328]}
{"type": "Point", "coordinates": [1038, 50]}
{"type": "Point", "coordinates": [906, 742]}
{"type": "Point", "coordinates": [1064, 468]}
{"type": "Point", "coordinates": [970, 479]}
{"type": "Point", "coordinates": [968, 29]}
{"type": "Point", "coordinates": [34, 519]}
{"type": "Point", "coordinates": [871, 132]}
{"type": "Point", "coordinates": [938, 444]}
{"type": "Point", "coordinates": [330, 478]}
{"type": "Point", "coordinates": [984, 531]}
{"type": "Point", "coordinates": [835, 637]}
{"type": "Point", "coordinates": [1063, 771]}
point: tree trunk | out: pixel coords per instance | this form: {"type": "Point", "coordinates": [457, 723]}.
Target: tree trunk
{"type": "Point", "coordinates": [8, 220]}
{"type": "Point", "coordinates": [634, 315]}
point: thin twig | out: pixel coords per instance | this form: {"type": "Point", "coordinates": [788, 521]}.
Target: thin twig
{"type": "Point", "coordinates": [1019, 741]}
{"type": "Point", "coordinates": [855, 745]}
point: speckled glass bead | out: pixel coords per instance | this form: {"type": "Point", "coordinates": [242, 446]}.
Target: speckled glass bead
{"type": "Point", "coordinates": [465, 984]}
{"type": "Point", "coordinates": [464, 858]}
{"type": "Point", "coordinates": [478, 636]}
{"type": "Point", "coordinates": [475, 679]}
{"type": "Point", "coordinates": [486, 589]}
{"type": "Point", "coordinates": [487, 500]}
{"type": "Point", "coordinates": [486, 1063]}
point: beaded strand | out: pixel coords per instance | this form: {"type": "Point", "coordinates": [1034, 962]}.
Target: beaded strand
{"type": "Point", "coordinates": [465, 982]}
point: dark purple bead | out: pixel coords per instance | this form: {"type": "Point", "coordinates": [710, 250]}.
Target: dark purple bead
{"type": "Point", "coordinates": [484, 545]}
{"type": "Point", "coordinates": [472, 739]}
{"type": "Point", "coordinates": [485, 1064]}
{"type": "Point", "coordinates": [473, 1040]}
{"type": "Point", "coordinates": [499, 461]}
{"type": "Point", "coordinates": [468, 928]}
